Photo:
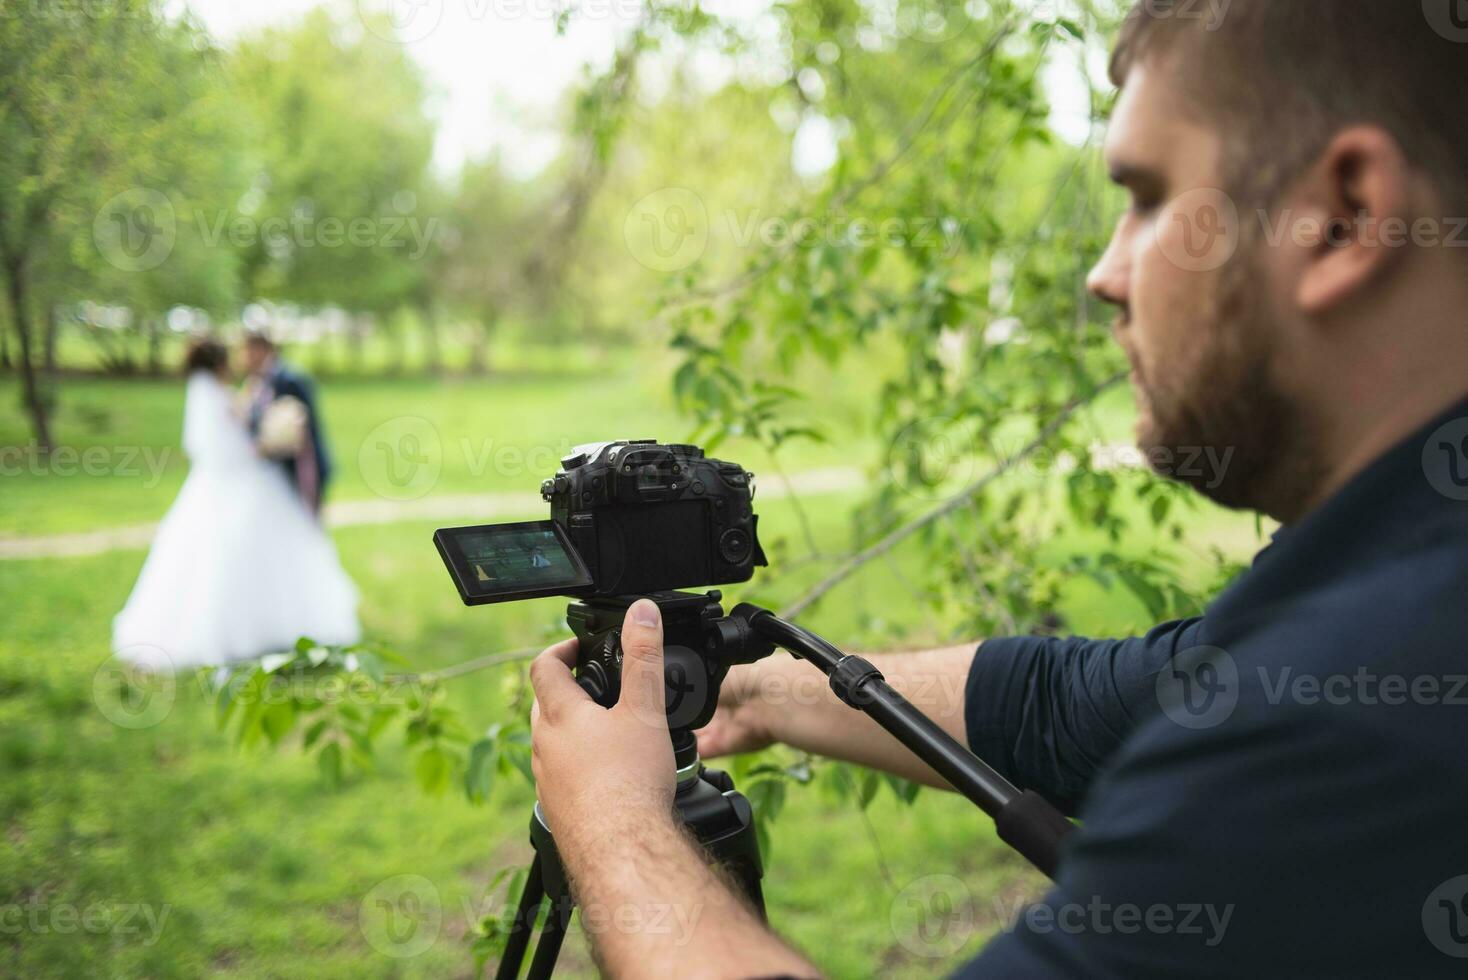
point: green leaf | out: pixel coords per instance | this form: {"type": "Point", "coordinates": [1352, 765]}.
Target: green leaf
{"type": "Point", "coordinates": [329, 763]}
{"type": "Point", "coordinates": [479, 773]}
{"type": "Point", "coordinates": [767, 796]}
{"type": "Point", "coordinates": [313, 734]}
{"type": "Point", "coordinates": [903, 789]}
{"type": "Point", "coordinates": [382, 714]}
{"type": "Point", "coordinates": [433, 769]}
{"type": "Point", "coordinates": [517, 751]}
{"type": "Point", "coordinates": [277, 720]}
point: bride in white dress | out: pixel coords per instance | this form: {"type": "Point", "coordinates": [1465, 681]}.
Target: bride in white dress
{"type": "Point", "coordinates": [239, 567]}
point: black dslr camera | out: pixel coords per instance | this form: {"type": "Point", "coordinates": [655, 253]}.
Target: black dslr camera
{"type": "Point", "coordinates": [629, 520]}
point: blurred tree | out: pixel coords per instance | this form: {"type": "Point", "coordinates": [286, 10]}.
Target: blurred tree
{"type": "Point", "coordinates": [936, 216]}
{"type": "Point", "coordinates": [337, 215]}
{"type": "Point", "coordinates": [496, 222]}
{"type": "Point", "coordinates": [107, 123]}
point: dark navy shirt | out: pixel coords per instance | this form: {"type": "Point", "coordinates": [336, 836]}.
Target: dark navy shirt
{"type": "Point", "coordinates": [1278, 788]}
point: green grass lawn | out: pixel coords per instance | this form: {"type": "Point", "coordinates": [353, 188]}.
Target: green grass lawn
{"type": "Point", "coordinates": [165, 851]}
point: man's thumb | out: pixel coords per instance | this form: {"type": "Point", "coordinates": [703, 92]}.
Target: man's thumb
{"type": "Point", "coordinates": [642, 657]}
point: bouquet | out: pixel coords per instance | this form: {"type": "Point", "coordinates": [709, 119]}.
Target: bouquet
{"type": "Point", "coordinates": [283, 428]}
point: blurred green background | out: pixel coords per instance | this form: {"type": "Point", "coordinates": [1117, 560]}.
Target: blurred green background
{"type": "Point", "coordinates": [841, 242]}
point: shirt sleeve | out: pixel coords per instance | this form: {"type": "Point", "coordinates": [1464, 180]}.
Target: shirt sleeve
{"type": "Point", "coordinates": [1296, 843]}
{"type": "Point", "coordinates": [1049, 713]}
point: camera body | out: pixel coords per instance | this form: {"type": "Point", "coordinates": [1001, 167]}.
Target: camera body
{"type": "Point", "coordinates": [629, 520]}
{"type": "Point", "coordinates": [648, 518]}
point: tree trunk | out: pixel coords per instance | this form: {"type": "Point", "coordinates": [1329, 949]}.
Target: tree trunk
{"type": "Point", "coordinates": [53, 327]}
{"type": "Point", "coordinates": [35, 404]}
{"type": "Point", "coordinates": [479, 350]}
{"type": "Point", "coordinates": [396, 337]}
{"type": "Point", "coordinates": [5, 364]}
{"type": "Point", "coordinates": [432, 352]}
{"type": "Point", "coordinates": [153, 325]}
{"type": "Point", "coordinates": [357, 342]}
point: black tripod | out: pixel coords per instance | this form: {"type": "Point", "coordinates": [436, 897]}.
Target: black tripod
{"type": "Point", "coordinates": [719, 818]}
{"type": "Point", "coordinates": [700, 645]}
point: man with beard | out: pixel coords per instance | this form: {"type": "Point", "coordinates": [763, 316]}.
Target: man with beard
{"type": "Point", "coordinates": [1275, 788]}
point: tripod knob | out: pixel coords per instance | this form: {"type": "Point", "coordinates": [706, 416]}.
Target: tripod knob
{"type": "Point", "coordinates": [593, 680]}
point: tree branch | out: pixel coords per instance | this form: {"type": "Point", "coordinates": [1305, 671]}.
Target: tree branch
{"type": "Point", "coordinates": [896, 537]}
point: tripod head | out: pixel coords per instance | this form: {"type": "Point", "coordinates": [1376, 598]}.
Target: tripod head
{"type": "Point", "coordinates": [700, 644]}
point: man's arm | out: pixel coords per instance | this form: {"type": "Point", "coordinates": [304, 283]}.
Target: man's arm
{"type": "Point", "coordinates": [786, 700]}
{"type": "Point", "coordinates": [1047, 713]}
{"type": "Point", "coordinates": [605, 780]}
{"type": "Point", "coordinates": [653, 907]}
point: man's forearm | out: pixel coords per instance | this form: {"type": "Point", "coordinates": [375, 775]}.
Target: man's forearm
{"type": "Point", "coordinates": [653, 907]}
{"type": "Point", "coordinates": [799, 708]}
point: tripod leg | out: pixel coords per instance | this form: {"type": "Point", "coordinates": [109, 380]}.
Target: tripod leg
{"type": "Point", "coordinates": [524, 922]}
{"type": "Point", "coordinates": [551, 936]}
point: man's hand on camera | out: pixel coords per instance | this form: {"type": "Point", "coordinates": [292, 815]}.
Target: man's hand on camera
{"type": "Point", "coordinates": [606, 782]}
{"type": "Point", "coordinates": [589, 760]}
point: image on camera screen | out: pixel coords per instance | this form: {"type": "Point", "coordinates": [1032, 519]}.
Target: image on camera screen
{"type": "Point", "coordinates": [501, 562]}
{"type": "Point", "coordinates": [517, 559]}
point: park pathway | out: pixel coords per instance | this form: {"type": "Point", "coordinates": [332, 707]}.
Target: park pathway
{"type": "Point", "coordinates": [356, 513]}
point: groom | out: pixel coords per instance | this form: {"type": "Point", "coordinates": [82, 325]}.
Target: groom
{"type": "Point", "coordinates": [270, 379]}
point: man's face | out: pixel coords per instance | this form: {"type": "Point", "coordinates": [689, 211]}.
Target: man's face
{"type": "Point", "coordinates": [257, 356]}
{"type": "Point", "coordinates": [1194, 317]}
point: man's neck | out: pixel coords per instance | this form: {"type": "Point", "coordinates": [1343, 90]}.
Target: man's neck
{"type": "Point", "coordinates": [1368, 433]}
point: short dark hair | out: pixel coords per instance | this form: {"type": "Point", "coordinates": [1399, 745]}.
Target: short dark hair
{"type": "Point", "coordinates": [1282, 77]}
{"type": "Point", "coordinates": [258, 338]}
{"type": "Point", "coordinates": [205, 354]}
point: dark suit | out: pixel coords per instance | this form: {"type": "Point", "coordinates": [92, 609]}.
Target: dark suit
{"type": "Point", "coordinates": [282, 381]}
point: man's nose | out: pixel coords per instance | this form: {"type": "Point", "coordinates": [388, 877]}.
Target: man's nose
{"type": "Point", "coordinates": [1108, 280]}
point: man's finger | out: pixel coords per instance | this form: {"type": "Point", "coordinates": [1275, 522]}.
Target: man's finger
{"type": "Point", "coordinates": [550, 676]}
{"type": "Point", "coordinates": [712, 741]}
{"type": "Point", "coordinates": [642, 658]}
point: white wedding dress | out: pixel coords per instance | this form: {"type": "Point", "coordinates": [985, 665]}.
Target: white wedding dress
{"type": "Point", "coordinates": [239, 566]}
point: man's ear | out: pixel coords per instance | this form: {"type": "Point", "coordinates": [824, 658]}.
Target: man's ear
{"type": "Point", "coordinates": [1359, 191]}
